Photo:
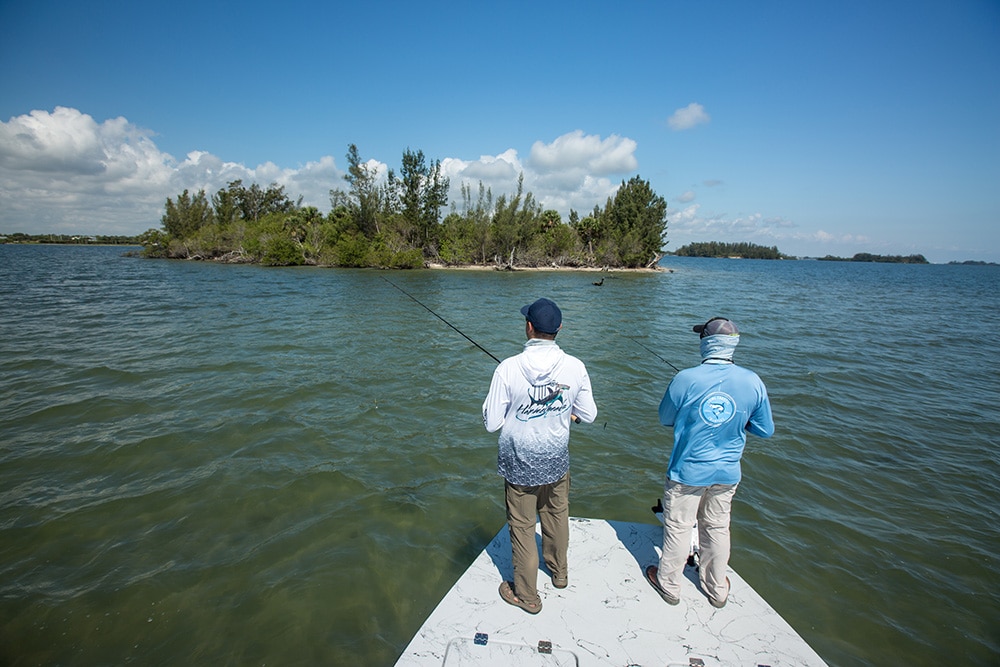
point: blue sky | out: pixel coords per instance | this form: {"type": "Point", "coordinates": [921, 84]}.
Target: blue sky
{"type": "Point", "coordinates": [818, 127]}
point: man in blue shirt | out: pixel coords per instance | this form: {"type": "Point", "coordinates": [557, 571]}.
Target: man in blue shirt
{"type": "Point", "coordinates": [710, 407]}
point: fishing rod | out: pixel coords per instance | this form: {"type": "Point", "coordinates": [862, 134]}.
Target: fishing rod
{"type": "Point", "coordinates": [576, 420]}
{"type": "Point", "coordinates": [440, 318]}
{"type": "Point", "coordinates": [653, 353]}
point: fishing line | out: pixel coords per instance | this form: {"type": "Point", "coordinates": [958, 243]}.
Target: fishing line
{"type": "Point", "coordinates": [575, 419]}
{"type": "Point", "coordinates": [653, 353]}
{"type": "Point", "coordinates": [440, 318]}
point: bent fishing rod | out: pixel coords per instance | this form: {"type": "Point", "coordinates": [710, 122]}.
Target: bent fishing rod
{"type": "Point", "coordinates": [459, 331]}
{"type": "Point", "coordinates": [490, 354]}
{"type": "Point", "coordinates": [653, 353]}
{"type": "Point", "coordinates": [576, 420]}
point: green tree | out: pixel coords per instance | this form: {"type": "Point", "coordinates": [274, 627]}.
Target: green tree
{"type": "Point", "coordinates": [513, 225]}
{"type": "Point", "coordinates": [464, 237]}
{"type": "Point", "coordinates": [364, 199]}
{"type": "Point", "coordinates": [154, 243]}
{"type": "Point", "coordinates": [560, 243]}
{"type": "Point", "coordinates": [255, 202]}
{"type": "Point", "coordinates": [271, 240]}
{"type": "Point", "coordinates": [225, 204]}
{"type": "Point", "coordinates": [398, 224]}
{"type": "Point", "coordinates": [418, 195]}
{"type": "Point", "coordinates": [718, 249]}
{"type": "Point", "coordinates": [588, 229]}
{"type": "Point", "coordinates": [636, 220]}
{"type": "Point", "coordinates": [187, 215]}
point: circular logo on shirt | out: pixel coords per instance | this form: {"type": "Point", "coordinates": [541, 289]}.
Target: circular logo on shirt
{"type": "Point", "coordinates": [717, 408]}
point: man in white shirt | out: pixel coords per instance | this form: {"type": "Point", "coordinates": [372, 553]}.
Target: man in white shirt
{"type": "Point", "coordinates": [532, 399]}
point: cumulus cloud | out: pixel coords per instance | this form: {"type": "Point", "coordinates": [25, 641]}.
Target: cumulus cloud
{"type": "Point", "coordinates": [314, 181]}
{"type": "Point", "coordinates": [491, 170]}
{"type": "Point", "coordinates": [571, 172]}
{"type": "Point", "coordinates": [65, 172]}
{"type": "Point", "coordinates": [575, 152]}
{"type": "Point", "coordinates": [64, 141]}
{"type": "Point", "coordinates": [686, 118]}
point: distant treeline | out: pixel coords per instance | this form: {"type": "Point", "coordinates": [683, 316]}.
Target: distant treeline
{"type": "Point", "coordinates": [717, 249]}
{"type": "Point", "coordinates": [69, 239]}
{"type": "Point", "coordinates": [397, 223]}
{"type": "Point", "coordinates": [868, 257]}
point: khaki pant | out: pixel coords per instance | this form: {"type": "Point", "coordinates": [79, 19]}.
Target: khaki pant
{"type": "Point", "coordinates": [550, 502]}
{"type": "Point", "coordinates": [711, 507]}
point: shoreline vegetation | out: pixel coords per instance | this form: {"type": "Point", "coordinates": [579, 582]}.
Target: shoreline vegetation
{"type": "Point", "coordinates": [68, 239]}
{"type": "Point", "coordinates": [394, 221]}
{"type": "Point", "coordinates": [731, 252]}
{"type": "Point", "coordinates": [884, 259]}
{"type": "Point", "coordinates": [20, 238]}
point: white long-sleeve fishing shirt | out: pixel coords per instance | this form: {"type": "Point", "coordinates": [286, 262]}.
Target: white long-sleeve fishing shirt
{"type": "Point", "coordinates": [531, 399]}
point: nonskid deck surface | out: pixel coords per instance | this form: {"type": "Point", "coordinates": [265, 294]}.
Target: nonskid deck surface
{"type": "Point", "coordinates": [609, 614]}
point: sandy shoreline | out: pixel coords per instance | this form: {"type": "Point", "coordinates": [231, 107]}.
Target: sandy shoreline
{"type": "Point", "coordinates": [585, 269]}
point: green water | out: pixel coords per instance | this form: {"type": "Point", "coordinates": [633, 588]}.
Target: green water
{"type": "Point", "coordinates": [233, 465]}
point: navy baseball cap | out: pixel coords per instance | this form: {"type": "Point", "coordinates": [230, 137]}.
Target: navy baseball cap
{"type": "Point", "coordinates": [715, 326]}
{"type": "Point", "coordinates": [544, 315]}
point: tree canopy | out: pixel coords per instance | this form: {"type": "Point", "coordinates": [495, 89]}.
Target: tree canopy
{"type": "Point", "coordinates": [886, 259]}
{"type": "Point", "coordinates": [396, 222]}
{"type": "Point", "coordinates": [716, 249]}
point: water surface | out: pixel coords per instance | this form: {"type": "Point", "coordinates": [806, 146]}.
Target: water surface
{"type": "Point", "coordinates": [239, 465]}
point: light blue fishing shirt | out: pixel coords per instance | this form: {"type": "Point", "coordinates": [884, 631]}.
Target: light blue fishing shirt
{"type": "Point", "coordinates": [711, 407]}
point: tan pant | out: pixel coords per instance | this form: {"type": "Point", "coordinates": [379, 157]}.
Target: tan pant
{"type": "Point", "coordinates": [550, 502]}
{"type": "Point", "coordinates": [711, 507]}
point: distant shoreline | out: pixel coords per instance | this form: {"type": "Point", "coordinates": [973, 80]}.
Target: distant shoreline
{"type": "Point", "coordinates": [5, 240]}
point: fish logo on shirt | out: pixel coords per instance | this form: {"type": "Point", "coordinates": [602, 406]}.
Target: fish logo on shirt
{"type": "Point", "coordinates": [543, 399]}
{"type": "Point", "coordinates": [717, 408]}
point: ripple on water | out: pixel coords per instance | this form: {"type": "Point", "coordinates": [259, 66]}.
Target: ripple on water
{"type": "Point", "coordinates": [228, 464]}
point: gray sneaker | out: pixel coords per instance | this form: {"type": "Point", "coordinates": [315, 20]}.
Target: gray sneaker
{"type": "Point", "coordinates": [719, 604]}
{"type": "Point", "coordinates": [651, 572]}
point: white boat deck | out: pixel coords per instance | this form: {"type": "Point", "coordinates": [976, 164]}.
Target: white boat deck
{"type": "Point", "coordinates": [609, 614]}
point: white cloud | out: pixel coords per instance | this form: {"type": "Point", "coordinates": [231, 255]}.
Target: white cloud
{"type": "Point", "coordinates": [575, 151]}
{"type": "Point", "coordinates": [571, 172]}
{"type": "Point", "coordinates": [686, 118]}
{"type": "Point", "coordinates": [496, 173]}
{"type": "Point", "coordinates": [64, 141]}
{"type": "Point", "coordinates": [64, 172]}
{"type": "Point", "coordinates": [685, 197]}
{"type": "Point", "coordinates": [313, 182]}
{"type": "Point", "coordinates": [489, 169]}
